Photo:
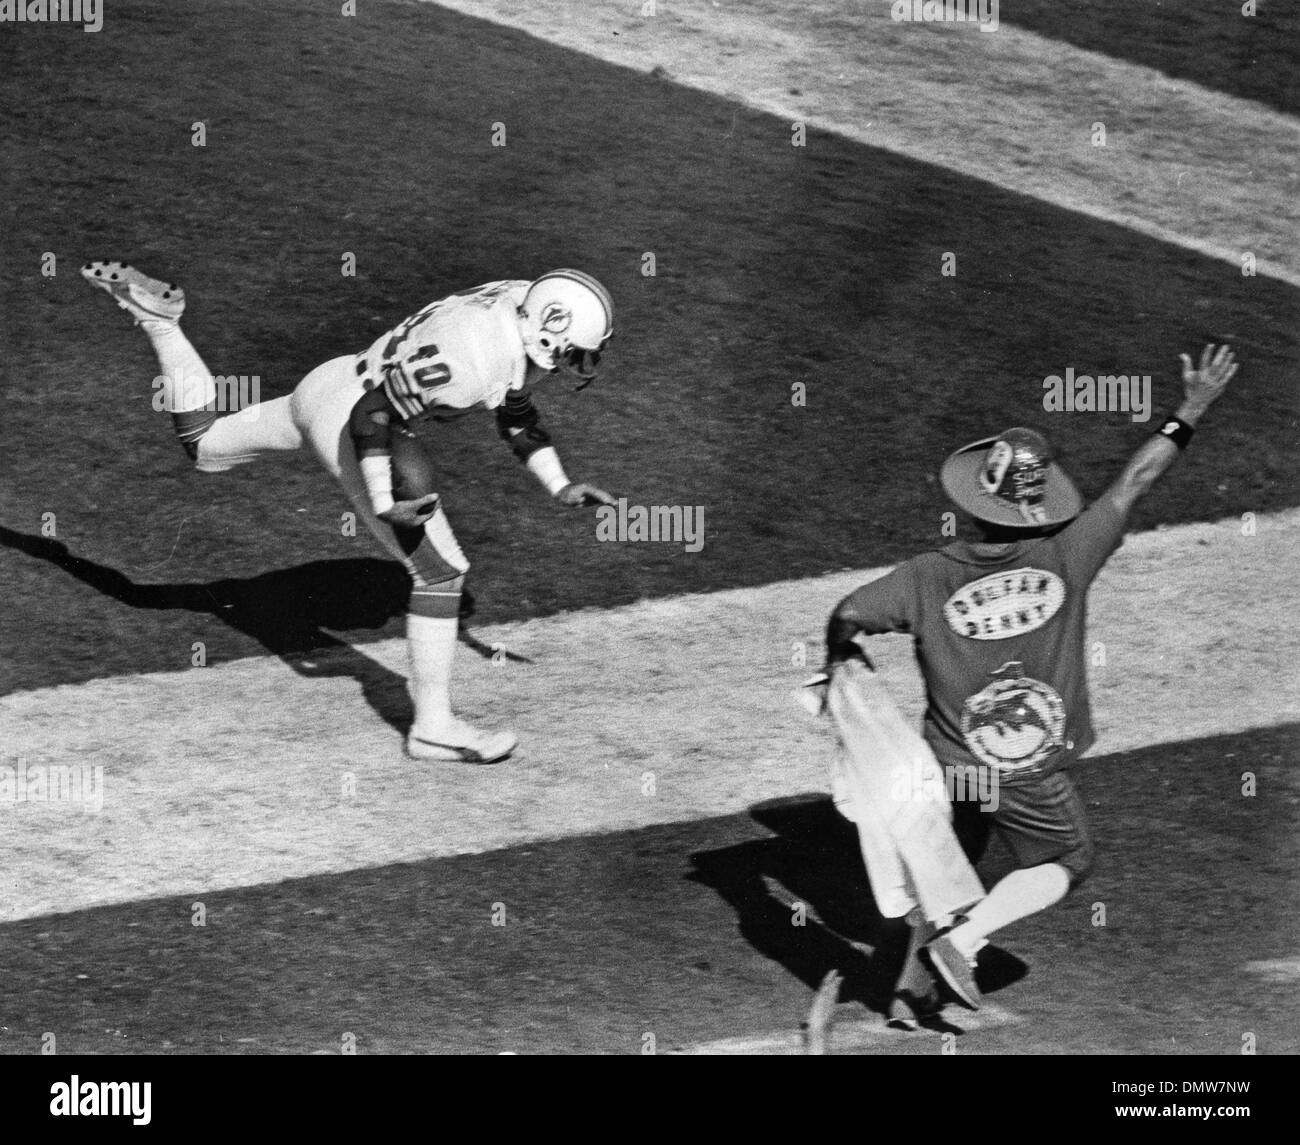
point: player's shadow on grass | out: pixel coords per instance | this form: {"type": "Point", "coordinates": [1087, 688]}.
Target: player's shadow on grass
{"type": "Point", "coordinates": [290, 612]}
{"type": "Point", "coordinates": [814, 859]}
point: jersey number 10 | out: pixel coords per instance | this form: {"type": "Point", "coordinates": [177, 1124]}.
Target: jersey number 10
{"type": "Point", "coordinates": [434, 374]}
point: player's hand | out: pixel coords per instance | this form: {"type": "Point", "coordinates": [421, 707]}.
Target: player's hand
{"type": "Point", "coordinates": [1203, 386]}
{"type": "Point", "coordinates": [411, 514]}
{"type": "Point", "coordinates": [575, 493]}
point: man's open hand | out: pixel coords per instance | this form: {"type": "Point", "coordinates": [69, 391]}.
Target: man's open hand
{"type": "Point", "coordinates": [1203, 386]}
{"type": "Point", "coordinates": [411, 514]}
{"type": "Point", "coordinates": [576, 493]}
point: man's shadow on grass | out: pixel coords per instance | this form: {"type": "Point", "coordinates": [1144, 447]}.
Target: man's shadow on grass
{"type": "Point", "coordinates": [813, 860]}
{"type": "Point", "coordinates": [290, 612]}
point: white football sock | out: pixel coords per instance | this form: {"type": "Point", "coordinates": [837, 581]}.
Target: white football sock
{"type": "Point", "coordinates": [1019, 895]}
{"type": "Point", "coordinates": [185, 381]}
{"type": "Point", "coordinates": [432, 644]}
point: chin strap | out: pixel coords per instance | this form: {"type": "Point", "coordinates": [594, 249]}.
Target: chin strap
{"type": "Point", "coordinates": [584, 380]}
{"type": "Point", "coordinates": [582, 363]}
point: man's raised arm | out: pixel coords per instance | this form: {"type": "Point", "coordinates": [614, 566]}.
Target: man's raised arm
{"type": "Point", "coordinates": [1201, 388]}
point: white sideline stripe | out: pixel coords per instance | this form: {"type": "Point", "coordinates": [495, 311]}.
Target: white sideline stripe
{"type": "Point", "coordinates": [239, 774]}
{"type": "Point", "coordinates": [858, 1034]}
{"type": "Point", "coordinates": [1282, 971]}
{"type": "Point", "coordinates": [891, 86]}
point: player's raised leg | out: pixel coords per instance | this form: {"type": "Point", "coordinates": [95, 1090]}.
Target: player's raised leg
{"type": "Point", "coordinates": [188, 389]}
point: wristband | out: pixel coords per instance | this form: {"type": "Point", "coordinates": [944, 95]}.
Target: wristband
{"type": "Point", "coordinates": [545, 465]}
{"type": "Point", "coordinates": [377, 471]}
{"type": "Point", "coordinates": [1176, 430]}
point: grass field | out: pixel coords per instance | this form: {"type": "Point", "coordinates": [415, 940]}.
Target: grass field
{"type": "Point", "coordinates": [1200, 40]}
{"type": "Point", "coordinates": [775, 265]}
{"type": "Point", "coordinates": [684, 931]}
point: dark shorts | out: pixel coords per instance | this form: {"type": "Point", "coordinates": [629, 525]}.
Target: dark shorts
{"type": "Point", "coordinates": [1042, 820]}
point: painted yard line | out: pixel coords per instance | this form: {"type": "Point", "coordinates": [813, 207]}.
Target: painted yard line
{"type": "Point", "coordinates": [664, 711]}
{"type": "Point", "coordinates": [860, 1034]}
{"type": "Point", "coordinates": [1182, 164]}
{"type": "Point", "coordinates": [1282, 970]}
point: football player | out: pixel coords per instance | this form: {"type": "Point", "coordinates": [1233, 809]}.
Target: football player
{"type": "Point", "coordinates": [479, 349]}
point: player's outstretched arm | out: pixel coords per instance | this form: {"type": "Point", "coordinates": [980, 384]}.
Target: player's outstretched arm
{"type": "Point", "coordinates": [521, 428]}
{"type": "Point", "coordinates": [1202, 387]}
{"type": "Point", "coordinates": [544, 464]}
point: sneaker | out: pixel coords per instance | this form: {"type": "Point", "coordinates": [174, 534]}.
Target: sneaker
{"type": "Point", "coordinates": [954, 969]}
{"type": "Point", "coordinates": [142, 297]}
{"type": "Point", "coordinates": [908, 1010]}
{"type": "Point", "coordinates": [459, 742]}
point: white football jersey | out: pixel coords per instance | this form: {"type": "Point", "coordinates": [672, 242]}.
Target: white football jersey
{"type": "Point", "coordinates": [458, 353]}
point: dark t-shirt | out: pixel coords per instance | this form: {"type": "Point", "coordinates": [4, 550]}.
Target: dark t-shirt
{"type": "Point", "coordinates": [1000, 641]}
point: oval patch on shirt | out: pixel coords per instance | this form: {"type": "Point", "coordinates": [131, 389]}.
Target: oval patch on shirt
{"type": "Point", "coordinates": [1005, 604]}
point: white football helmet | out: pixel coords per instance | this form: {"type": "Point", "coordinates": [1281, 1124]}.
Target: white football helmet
{"type": "Point", "coordinates": [566, 317]}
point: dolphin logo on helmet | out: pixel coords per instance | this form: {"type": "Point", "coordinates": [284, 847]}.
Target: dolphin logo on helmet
{"type": "Point", "coordinates": [565, 319]}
